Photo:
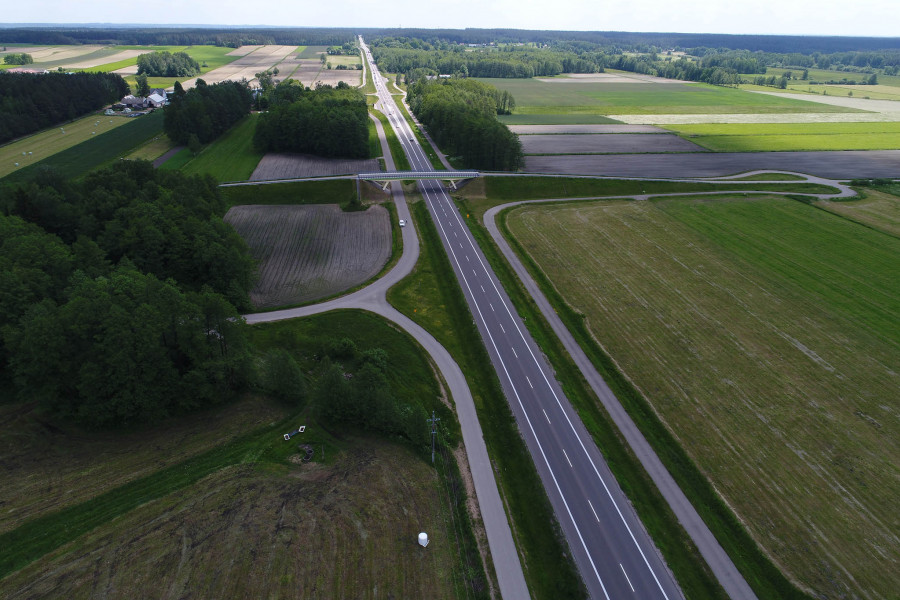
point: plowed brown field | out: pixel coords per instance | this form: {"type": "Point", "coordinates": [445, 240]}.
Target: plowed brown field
{"type": "Point", "coordinates": [312, 251]}
{"type": "Point", "coordinates": [291, 166]}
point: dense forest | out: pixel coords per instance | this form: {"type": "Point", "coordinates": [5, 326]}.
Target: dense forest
{"type": "Point", "coordinates": [166, 64]}
{"type": "Point", "coordinates": [30, 102]}
{"type": "Point", "coordinates": [461, 116]}
{"type": "Point", "coordinates": [18, 58]}
{"type": "Point", "coordinates": [325, 121]}
{"type": "Point", "coordinates": [118, 294]}
{"type": "Point", "coordinates": [205, 112]}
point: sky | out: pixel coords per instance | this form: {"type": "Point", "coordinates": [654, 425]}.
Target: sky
{"type": "Point", "coordinates": [796, 17]}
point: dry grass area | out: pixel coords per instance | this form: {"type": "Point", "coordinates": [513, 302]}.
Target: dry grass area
{"type": "Point", "coordinates": [312, 251]}
{"type": "Point", "coordinates": [764, 334]}
{"type": "Point", "coordinates": [294, 166]}
{"type": "Point", "coordinates": [878, 209]}
{"type": "Point", "coordinates": [96, 62]}
{"type": "Point", "coordinates": [346, 529]}
{"type": "Point", "coordinates": [46, 469]}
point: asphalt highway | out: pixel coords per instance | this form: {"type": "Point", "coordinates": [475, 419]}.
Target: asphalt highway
{"type": "Point", "coordinates": [614, 554]}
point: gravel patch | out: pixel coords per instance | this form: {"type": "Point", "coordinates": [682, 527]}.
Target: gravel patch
{"type": "Point", "coordinates": [834, 165]}
{"type": "Point", "coordinates": [293, 166]}
{"type": "Point", "coordinates": [607, 143]}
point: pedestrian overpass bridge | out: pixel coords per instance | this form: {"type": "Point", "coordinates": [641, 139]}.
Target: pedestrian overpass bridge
{"type": "Point", "coordinates": [384, 178]}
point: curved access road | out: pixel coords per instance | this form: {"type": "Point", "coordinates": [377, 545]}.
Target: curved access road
{"type": "Point", "coordinates": [716, 557]}
{"type": "Point", "coordinates": [507, 566]}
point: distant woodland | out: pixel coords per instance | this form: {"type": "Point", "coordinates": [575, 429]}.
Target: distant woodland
{"type": "Point", "coordinates": [461, 116]}
{"type": "Point", "coordinates": [166, 64]}
{"type": "Point", "coordinates": [325, 121]}
{"type": "Point", "coordinates": [30, 102]}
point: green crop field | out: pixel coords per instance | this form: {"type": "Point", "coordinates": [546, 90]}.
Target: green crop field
{"type": "Point", "coordinates": [50, 141]}
{"type": "Point", "coordinates": [312, 51]}
{"type": "Point", "coordinates": [764, 334]}
{"type": "Point", "coordinates": [229, 158]}
{"type": "Point", "coordinates": [99, 149]}
{"type": "Point", "coordinates": [538, 97]}
{"type": "Point", "coordinates": [752, 137]}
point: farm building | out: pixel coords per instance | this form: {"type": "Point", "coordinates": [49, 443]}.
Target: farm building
{"type": "Point", "coordinates": [134, 102]}
{"type": "Point", "coordinates": [156, 100]}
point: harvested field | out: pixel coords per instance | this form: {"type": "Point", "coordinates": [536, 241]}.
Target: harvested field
{"type": "Point", "coordinates": [58, 53]}
{"type": "Point", "coordinates": [764, 334]}
{"type": "Point", "coordinates": [836, 165]}
{"type": "Point", "coordinates": [312, 530]}
{"type": "Point", "coordinates": [577, 129]}
{"type": "Point", "coordinates": [96, 62]}
{"type": "Point", "coordinates": [878, 210]}
{"type": "Point", "coordinates": [607, 143]}
{"type": "Point", "coordinates": [243, 50]}
{"type": "Point", "coordinates": [294, 166]}
{"type": "Point", "coordinates": [246, 66]}
{"type": "Point", "coordinates": [312, 251]}
{"type": "Point", "coordinates": [333, 77]}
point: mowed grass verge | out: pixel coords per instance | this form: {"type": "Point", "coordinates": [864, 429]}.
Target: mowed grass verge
{"type": "Point", "coordinates": [253, 518]}
{"type": "Point", "coordinates": [760, 331]}
{"type": "Point", "coordinates": [879, 209]}
{"type": "Point", "coordinates": [746, 137]}
{"type": "Point", "coordinates": [431, 297]}
{"type": "Point", "coordinates": [538, 97]}
{"type": "Point", "coordinates": [232, 157]}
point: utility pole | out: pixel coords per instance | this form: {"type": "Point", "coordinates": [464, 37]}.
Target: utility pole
{"type": "Point", "coordinates": [433, 420]}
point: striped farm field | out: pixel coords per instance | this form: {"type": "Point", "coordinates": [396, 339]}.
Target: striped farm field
{"type": "Point", "coordinates": [753, 137]}
{"type": "Point", "coordinates": [878, 209]}
{"type": "Point", "coordinates": [310, 252]}
{"type": "Point", "coordinates": [764, 334]}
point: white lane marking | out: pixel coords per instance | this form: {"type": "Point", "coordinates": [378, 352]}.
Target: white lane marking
{"type": "Point", "coordinates": [501, 327]}
{"type": "Point", "coordinates": [572, 428]}
{"type": "Point", "coordinates": [529, 382]}
{"type": "Point", "coordinates": [467, 258]}
{"type": "Point", "coordinates": [514, 351]}
{"type": "Point", "coordinates": [546, 417]}
{"type": "Point", "coordinates": [492, 306]}
{"type": "Point", "coordinates": [567, 458]}
{"type": "Point", "coordinates": [593, 511]}
{"type": "Point", "coordinates": [626, 577]}
{"type": "Point", "coordinates": [454, 234]}
{"type": "Point", "coordinates": [482, 289]}
{"type": "Point", "coordinates": [473, 271]}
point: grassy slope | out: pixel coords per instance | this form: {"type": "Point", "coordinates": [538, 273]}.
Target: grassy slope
{"type": "Point", "coordinates": [879, 209]}
{"type": "Point", "coordinates": [252, 496]}
{"type": "Point", "coordinates": [431, 297]}
{"type": "Point", "coordinates": [100, 149]}
{"type": "Point", "coordinates": [232, 157]}
{"type": "Point", "coordinates": [684, 366]}
{"type": "Point", "coordinates": [536, 97]}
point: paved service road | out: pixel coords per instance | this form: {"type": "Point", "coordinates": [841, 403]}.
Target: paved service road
{"type": "Point", "coordinates": [613, 552]}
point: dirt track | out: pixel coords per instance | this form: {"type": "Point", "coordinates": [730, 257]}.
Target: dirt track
{"type": "Point", "coordinates": [836, 165]}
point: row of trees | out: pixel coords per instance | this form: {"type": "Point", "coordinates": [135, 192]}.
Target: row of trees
{"type": "Point", "coordinates": [325, 121]}
{"type": "Point", "coordinates": [117, 295]}
{"type": "Point", "coordinates": [18, 58]}
{"type": "Point", "coordinates": [31, 102]}
{"type": "Point", "coordinates": [461, 116]}
{"type": "Point", "coordinates": [166, 64]}
{"type": "Point", "coordinates": [205, 112]}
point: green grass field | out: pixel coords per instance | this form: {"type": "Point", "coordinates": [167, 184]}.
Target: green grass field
{"type": "Point", "coordinates": [100, 149]}
{"type": "Point", "coordinates": [229, 158]}
{"type": "Point", "coordinates": [51, 141]}
{"type": "Point", "coordinates": [538, 97]}
{"type": "Point", "coordinates": [335, 191]}
{"type": "Point", "coordinates": [763, 333]}
{"type": "Point", "coordinates": [153, 149]}
{"type": "Point", "coordinates": [225, 489]}
{"type": "Point", "coordinates": [879, 210]}
{"type": "Point", "coordinates": [752, 137]}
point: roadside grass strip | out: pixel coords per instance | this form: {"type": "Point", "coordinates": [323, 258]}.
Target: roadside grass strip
{"type": "Point", "coordinates": [231, 157]}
